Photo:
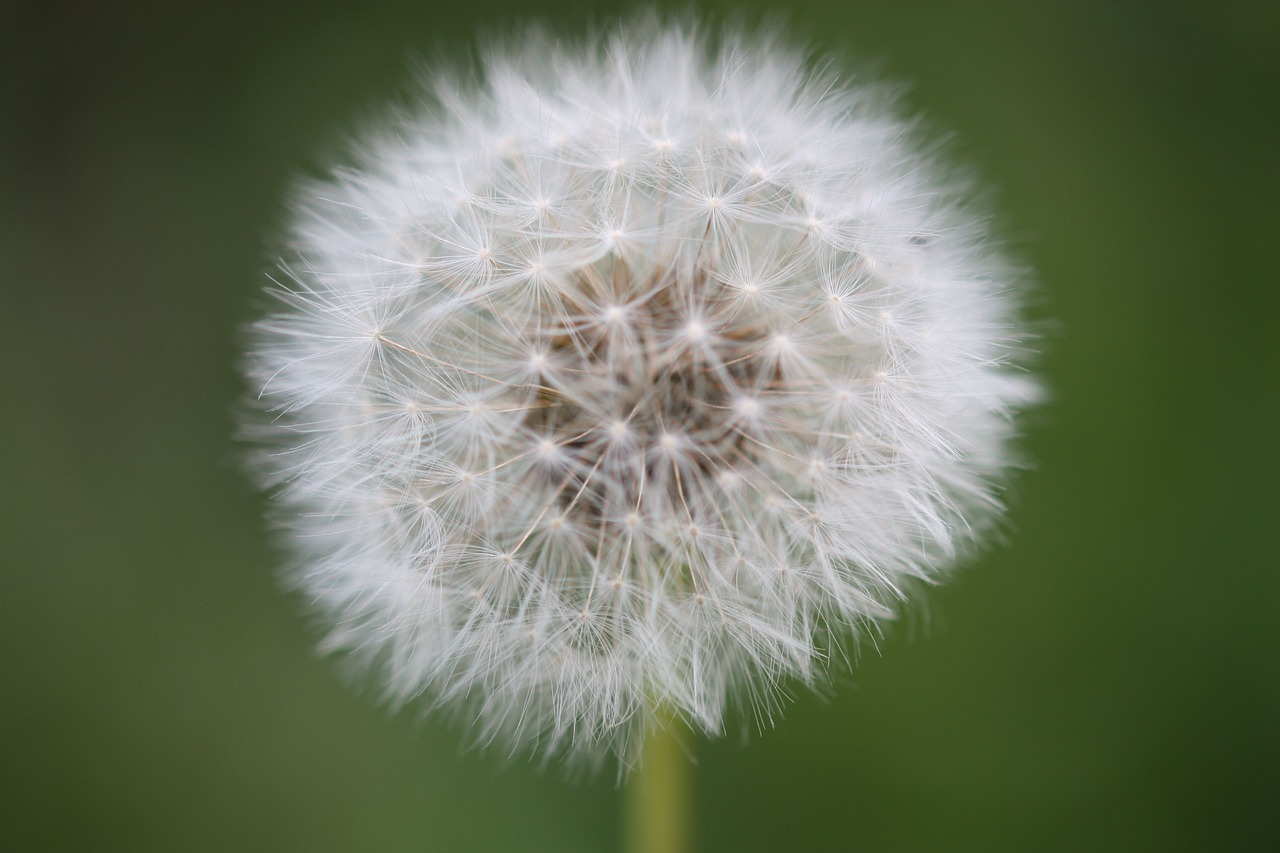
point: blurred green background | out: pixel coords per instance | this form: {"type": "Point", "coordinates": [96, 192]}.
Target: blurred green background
{"type": "Point", "coordinates": [1108, 681]}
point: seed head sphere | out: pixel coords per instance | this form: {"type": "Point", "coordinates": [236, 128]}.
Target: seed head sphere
{"type": "Point", "coordinates": [635, 375]}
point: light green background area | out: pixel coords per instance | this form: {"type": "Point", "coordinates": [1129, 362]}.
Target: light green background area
{"type": "Point", "coordinates": [1109, 680]}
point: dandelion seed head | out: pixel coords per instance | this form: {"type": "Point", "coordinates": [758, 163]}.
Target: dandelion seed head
{"type": "Point", "coordinates": [642, 374]}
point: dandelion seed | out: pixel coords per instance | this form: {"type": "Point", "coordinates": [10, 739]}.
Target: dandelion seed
{"type": "Point", "coordinates": [625, 379]}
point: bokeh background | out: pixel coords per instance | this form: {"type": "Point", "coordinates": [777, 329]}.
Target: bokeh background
{"type": "Point", "coordinates": [1110, 680]}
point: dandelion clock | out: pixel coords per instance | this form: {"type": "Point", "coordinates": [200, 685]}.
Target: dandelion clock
{"type": "Point", "coordinates": [624, 383]}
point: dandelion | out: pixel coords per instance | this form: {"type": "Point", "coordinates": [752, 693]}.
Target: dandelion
{"type": "Point", "coordinates": [638, 375]}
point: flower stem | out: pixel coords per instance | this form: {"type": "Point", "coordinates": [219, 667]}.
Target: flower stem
{"type": "Point", "coordinates": [658, 795]}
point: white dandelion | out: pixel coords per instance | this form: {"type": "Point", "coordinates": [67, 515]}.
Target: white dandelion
{"type": "Point", "coordinates": [636, 375]}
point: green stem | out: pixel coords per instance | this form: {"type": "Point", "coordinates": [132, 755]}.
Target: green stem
{"type": "Point", "coordinates": [658, 795]}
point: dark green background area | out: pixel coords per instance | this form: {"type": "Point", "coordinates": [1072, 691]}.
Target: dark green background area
{"type": "Point", "coordinates": [1110, 680]}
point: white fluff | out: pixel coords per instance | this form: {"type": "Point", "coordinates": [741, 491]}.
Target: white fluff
{"type": "Point", "coordinates": [636, 375]}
